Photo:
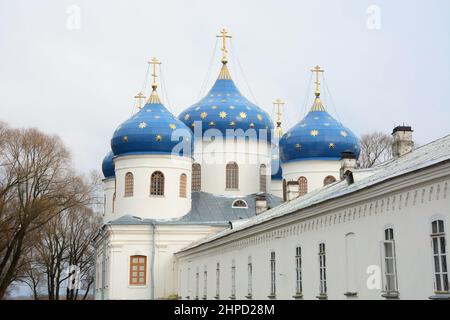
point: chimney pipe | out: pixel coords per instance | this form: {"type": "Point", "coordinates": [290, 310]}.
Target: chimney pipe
{"type": "Point", "coordinates": [348, 163]}
{"type": "Point", "coordinates": [402, 141]}
{"type": "Point", "coordinates": [292, 190]}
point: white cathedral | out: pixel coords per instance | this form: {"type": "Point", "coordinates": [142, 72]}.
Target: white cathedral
{"type": "Point", "coordinates": [218, 203]}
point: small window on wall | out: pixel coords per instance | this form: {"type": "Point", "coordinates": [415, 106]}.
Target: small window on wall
{"type": "Point", "coordinates": [262, 178]}
{"type": "Point", "coordinates": [239, 204]}
{"type": "Point", "coordinates": [389, 263]}
{"type": "Point", "coordinates": [232, 175]}
{"type": "Point", "coordinates": [438, 243]}
{"type": "Point", "coordinates": [302, 186]}
{"type": "Point", "coordinates": [329, 180]}
{"type": "Point", "coordinates": [129, 184]}
{"type": "Point", "coordinates": [157, 184]}
{"type": "Point", "coordinates": [138, 270]}
{"type": "Point", "coordinates": [183, 180]}
{"type": "Point", "coordinates": [196, 177]}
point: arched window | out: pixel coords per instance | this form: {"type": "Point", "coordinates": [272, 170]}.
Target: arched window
{"type": "Point", "coordinates": [183, 179]}
{"type": "Point", "coordinates": [129, 184]}
{"type": "Point", "coordinates": [328, 180]}
{"type": "Point", "coordinates": [157, 184]}
{"type": "Point", "coordinates": [302, 186]}
{"type": "Point", "coordinates": [262, 178]}
{"type": "Point", "coordinates": [239, 204]}
{"type": "Point", "coordinates": [138, 270]}
{"type": "Point", "coordinates": [196, 177]}
{"type": "Point", "coordinates": [232, 175]}
{"type": "Point", "coordinates": [284, 190]}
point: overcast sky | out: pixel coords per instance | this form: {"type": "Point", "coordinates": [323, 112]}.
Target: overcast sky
{"type": "Point", "coordinates": [79, 83]}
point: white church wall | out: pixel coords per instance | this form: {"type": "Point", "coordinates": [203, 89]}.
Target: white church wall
{"type": "Point", "coordinates": [315, 171]}
{"type": "Point", "coordinates": [406, 206]}
{"type": "Point", "coordinates": [249, 155]}
{"type": "Point", "coordinates": [276, 188]}
{"type": "Point", "coordinates": [108, 190]}
{"type": "Point", "coordinates": [124, 241]}
{"type": "Point", "coordinates": [142, 204]}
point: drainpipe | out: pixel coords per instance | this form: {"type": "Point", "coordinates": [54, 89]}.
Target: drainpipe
{"type": "Point", "coordinates": [152, 264]}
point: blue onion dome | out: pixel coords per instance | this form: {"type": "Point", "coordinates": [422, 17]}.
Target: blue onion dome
{"type": "Point", "coordinates": [108, 166]}
{"type": "Point", "coordinates": [152, 130]}
{"type": "Point", "coordinates": [318, 136]}
{"type": "Point", "coordinates": [224, 107]}
{"type": "Point", "coordinates": [277, 172]}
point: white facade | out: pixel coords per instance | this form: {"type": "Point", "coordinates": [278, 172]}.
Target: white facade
{"type": "Point", "coordinates": [249, 155]}
{"type": "Point", "coordinates": [352, 229]}
{"type": "Point", "coordinates": [315, 171]}
{"type": "Point", "coordinates": [118, 243]}
{"type": "Point", "coordinates": [141, 203]}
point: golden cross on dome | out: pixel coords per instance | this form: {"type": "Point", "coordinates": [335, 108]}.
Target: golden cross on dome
{"type": "Point", "coordinates": [278, 114]}
{"type": "Point", "coordinates": [139, 97]}
{"type": "Point", "coordinates": [224, 35]}
{"type": "Point", "coordinates": [317, 70]}
{"type": "Point", "coordinates": [154, 62]}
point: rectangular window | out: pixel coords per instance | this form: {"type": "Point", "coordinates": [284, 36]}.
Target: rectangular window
{"type": "Point", "coordinates": [273, 288]}
{"type": "Point", "coordinates": [197, 284]}
{"type": "Point", "coordinates": [298, 271]}
{"type": "Point", "coordinates": [138, 270]}
{"type": "Point", "coordinates": [389, 264]}
{"type": "Point", "coordinates": [249, 277]}
{"type": "Point", "coordinates": [233, 279]}
{"type": "Point", "coordinates": [322, 269]}
{"type": "Point", "coordinates": [217, 280]}
{"type": "Point", "coordinates": [205, 283]}
{"type": "Point", "coordinates": [438, 243]}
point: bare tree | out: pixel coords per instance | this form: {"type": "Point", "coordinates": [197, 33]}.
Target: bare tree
{"type": "Point", "coordinates": [37, 183]}
{"type": "Point", "coordinates": [375, 149]}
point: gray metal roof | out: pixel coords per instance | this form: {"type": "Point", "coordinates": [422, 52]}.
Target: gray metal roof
{"type": "Point", "coordinates": [208, 209]}
{"type": "Point", "coordinates": [425, 156]}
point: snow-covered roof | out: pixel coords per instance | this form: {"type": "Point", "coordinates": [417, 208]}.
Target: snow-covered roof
{"type": "Point", "coordinates": [422, 157]}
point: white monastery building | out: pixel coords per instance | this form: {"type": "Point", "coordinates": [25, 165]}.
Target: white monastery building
{"type": "Point", "coordinates": [218, 203]}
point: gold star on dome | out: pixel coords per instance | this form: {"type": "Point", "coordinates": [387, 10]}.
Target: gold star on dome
{"type": "Point", "coordinates": [314, 132]}
{"type": "Point", "coordinates": [223, 114]}
{"type": "Point", "coordinates": [193, 124]}
{"type": "Point", "coordinates": [214, 107]}
{"type": "Point", "coordinates": [344, 134]}
{"type": "Point", "coordinates": [125, 139]}
{"type": "Point", "coordinates": [243, 115]}
{"type": "Point", "coordinates": [259, 117]}
{"type": "Point", "coordinates": [212, 124]}
{"type": "Point", "coordinates": [331, 145]}
{"type": "Point", "coordinates": [223, 100]}
{"type": "Point", "coordinates": [172, 126]}
{"type": "Point", "coordinates": [186, 117]}
{"type": "Point", "coordinates": [142, 125]}
{"type": "Point", "coordinates": [232, 123]}
{"type": "Point", "coordinates": [298, 146]}
{"type": "Point", "coordinates": [252, 125]}
{"type": "Point", "coordinates": [232, 107]}
{"type": "Point", "coordinates": [158, 137]}
{"type": "Point", "coordinates": [203, 115]}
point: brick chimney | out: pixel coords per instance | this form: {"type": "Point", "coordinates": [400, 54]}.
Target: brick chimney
{"type": "Point", "coordinates": [292, 190]}
{"type": "Point", "coordinates": [402, 141]}
{"type": "Point", "coordinates": [348, 163]}
{"type": "Point", "coordinates": [261, 204]}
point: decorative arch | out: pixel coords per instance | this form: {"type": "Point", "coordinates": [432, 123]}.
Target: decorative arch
{"type": "Point", "coordinates": [157, 184]}
{"type": "Point", "coordinates": [183, 181]}
{"type": "Point", "coordinates": [232, 175]}
{"type": "Point", "coordinates": [129, 184]}
{"type": "Point", "coordinates": [239, 204]}
{"type": "Point", "coordinates": [196, 177]}
{"type": "Point", "coordinates": [302, 186]}
{"type": "Point", "coordinates": [329, 180]}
